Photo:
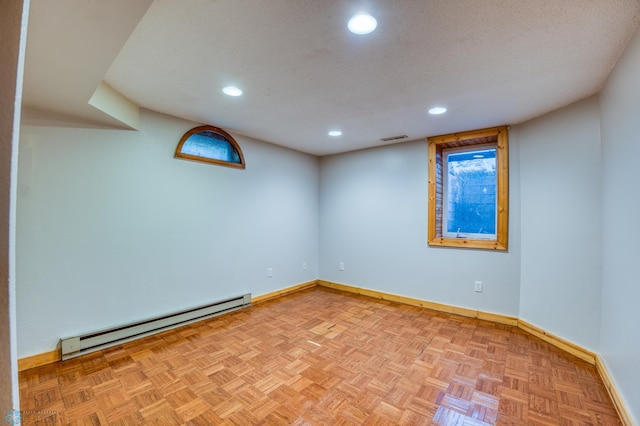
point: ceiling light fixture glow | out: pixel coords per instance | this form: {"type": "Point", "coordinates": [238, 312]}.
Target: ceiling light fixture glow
{"type": "Point", "coordinates": [232, 91]}
{"type": "Point", "coordinates": [437, 110]}
{"type": "Point", "coordinates": [362, 23]}
{"type": "Point", "coordinates": [335, 133]}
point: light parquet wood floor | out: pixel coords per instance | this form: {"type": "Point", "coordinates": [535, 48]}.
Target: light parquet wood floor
{"type": "Point", "coordinates": [323, 357]}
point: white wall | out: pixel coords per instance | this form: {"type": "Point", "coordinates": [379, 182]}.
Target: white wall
{"type": "Point", "coordinates": [13, 21]}
{"type": "Point", "coordinates": [560, 180]}
{"type": "Point", "coordinates": [112, 228]}
{"type": "Point", "coordinates": [620, 110]}
{"type": "Point", "coordinates": [374, 219]}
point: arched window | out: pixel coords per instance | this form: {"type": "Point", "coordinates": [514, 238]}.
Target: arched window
{"type": "Point", "coordinates": [210, 144]}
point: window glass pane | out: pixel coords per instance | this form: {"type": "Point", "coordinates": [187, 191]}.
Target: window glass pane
{"type": "Point", "coordinates": [212, 145]}
{"type": "Point", "coordinates": [471, 192]}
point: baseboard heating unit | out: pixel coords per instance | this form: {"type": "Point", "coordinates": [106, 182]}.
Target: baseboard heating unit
{"type": "Point", "coordinates": [101, 339]}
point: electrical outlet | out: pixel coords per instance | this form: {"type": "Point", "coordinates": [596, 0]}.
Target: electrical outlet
{"type": "Point", "coordinates": [269, 272]}
{"type": "Point", "coordinates": [341, 266]}
{"type": "Point", "coordinates": [477, 286]}
{"type": "Point", "coordinates": [304, 265]}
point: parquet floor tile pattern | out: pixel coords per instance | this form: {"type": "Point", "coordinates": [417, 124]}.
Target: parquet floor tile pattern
{"type": "Point", "coordinates": [323, 357]}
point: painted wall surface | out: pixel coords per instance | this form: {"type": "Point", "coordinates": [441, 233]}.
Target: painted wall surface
{"type": "Point", "coordinates": [560, 179]}
{"type": "Point", "coordinates": [112, 228]}
{"type": "Point", "coordinates": [13, 18]}
{"type": "Point", "coordinates": [620, 112]}
{"type": "Point", "coordinates": [373, 218]}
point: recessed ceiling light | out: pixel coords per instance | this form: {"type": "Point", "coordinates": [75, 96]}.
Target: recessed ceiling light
{"type": "Point", "coordinates": [335, 133]}
{"type": "Point", "coordinates": [232, 91]}
{"type": "Point", "coordinates": [362, 23]}
{"type": "Point", "coordinates": [437, 110]}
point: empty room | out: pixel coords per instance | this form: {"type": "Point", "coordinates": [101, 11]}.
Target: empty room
{"type": "Point", "coordinates": [320, 212]}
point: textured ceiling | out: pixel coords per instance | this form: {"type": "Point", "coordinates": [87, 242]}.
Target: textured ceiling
{"type": "Point", "coordinates": [490, 62]}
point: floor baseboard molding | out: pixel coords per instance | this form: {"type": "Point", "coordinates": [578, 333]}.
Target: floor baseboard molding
{"type": "Point", "coordinates": [558, 342]}
{"type": "Point", "coordinates": [550, 338]}
{"type": "Point", "coordinates": [618, 402]}
{"type": "Point", "coordinates": [283, 292]}
{"type": "Point", "coordinates": [465, 312]}
{"type": "Point", "coordinates": [38, 360]}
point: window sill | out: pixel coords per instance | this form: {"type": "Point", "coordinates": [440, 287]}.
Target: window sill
{"type": "Point", "coordinates": [466, 243]}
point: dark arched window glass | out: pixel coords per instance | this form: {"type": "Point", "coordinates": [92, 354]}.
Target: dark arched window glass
{"type": "Point", "coordinates": [210, 144]}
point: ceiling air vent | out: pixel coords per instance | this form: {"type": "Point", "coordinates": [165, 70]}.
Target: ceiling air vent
{"type": "Point", "coordinates": [393, 138]}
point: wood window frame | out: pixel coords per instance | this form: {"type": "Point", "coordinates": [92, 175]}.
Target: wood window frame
{"type": "Point", "coordinates": [436, 144]}
{"type": "Point", "coordinates": [219, 131]}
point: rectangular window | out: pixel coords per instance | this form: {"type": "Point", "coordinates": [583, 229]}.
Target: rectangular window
{"type": "Point", "coordinates": [468, 189]}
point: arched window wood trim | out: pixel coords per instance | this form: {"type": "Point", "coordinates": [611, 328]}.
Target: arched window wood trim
{"type": "Point", "coordinates": [217, 137]}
